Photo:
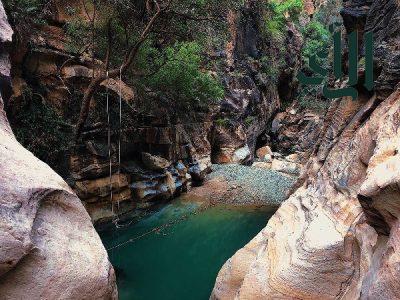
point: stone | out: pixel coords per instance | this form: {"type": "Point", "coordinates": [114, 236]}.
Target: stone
{"type": "Point", "coordinates": [199, 170]}
{"type": "Point", "coordinates": [154, 162]}
{"type": "Point", "coordinates": [268, 158]}
{"type": "Point", "coordinates": [162, 188]}
{"type": "Point", "coordinates": [6, 31]}
{"type": "Point", "coordinates": [296, 132]}
{"type": "Point", "coordinates": [224, 156]}
{"type": "Point", "coordinates": [241, 155]}
{"type": "Point", "coordinates": [19, 86]}
{"type": "Point", "coordinates": [101, 186]}
{"type": "Point", "coordinates": [42, 64]}
{"type": "Point", "coordinates": [262, 165]}
{"type": "Point", "coordinates": [76, 71]}
{"type": "Point", "coordinates": [261, 152]}
{"type": "Point", "coordinates": [309, 7]}
{"type": "Point", "coordinates": [285, 167]}
{"type": "Point", "coordinates": [118, 86]}
{"type": "Point", "coordinates": [294, 157]}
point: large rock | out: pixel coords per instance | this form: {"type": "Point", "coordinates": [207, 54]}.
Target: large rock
{"type": "Point", "coordinates": [154, 162]}
{"type": "Point", "coordinates": [295, 129]}
{"type": "Point", "coordinates": [337, 235]}
{"type": "Point", "coordinates": [382, 18]}
{"type": "Point", "coordinates": [261, 152]}
{"type": "Point", "coordinates": [49, 248]}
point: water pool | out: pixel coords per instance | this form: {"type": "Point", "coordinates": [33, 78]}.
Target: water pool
{"type": "Point", "coordinates": [182, 260]}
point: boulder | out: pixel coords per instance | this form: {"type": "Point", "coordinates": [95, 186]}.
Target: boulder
{"type": "Point", "coordinates": [74, 71]}
{"type": "Point", "coordinates": [161, 188]}
{"type": "Point", "coordinates": [285, 167]}
{"type": "Point", "coordinates": [294, 157]}
{"type": "Point", "coordinates": [228, 155]}
{"type": "Point", "coordinates": [268, 158]}
{"type": "Point", "coordinates": [118, 86]}
{"type": "Point", "coordinates": [241, 155]}
{"type": "Point", "coordinates": [154, 162]}
{"type": "Point", "coordinates": [200, 169]}
{"type": "Point", "coordinates": [261, 152]}
{"type": "Point", "coordinates": [101, 187]}
{"type": "Point", "coordinates": [295, 132]}
{"type": "Point", "coordinates": [282, 166]}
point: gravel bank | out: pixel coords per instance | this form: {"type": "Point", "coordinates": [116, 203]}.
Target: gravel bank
{"type": "Point", "coordinates": [249, 185]}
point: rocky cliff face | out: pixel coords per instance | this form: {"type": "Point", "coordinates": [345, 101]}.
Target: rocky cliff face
{"type": "Point", "coordinates": [337, 236]}
{"type": "Point", "coordinates": [48, 246]}
{"type": "Point", "coordinates": [189, 141]}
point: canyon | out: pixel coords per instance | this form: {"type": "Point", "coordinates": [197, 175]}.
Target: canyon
{"type": "Point", "coordinates": [337, 234]}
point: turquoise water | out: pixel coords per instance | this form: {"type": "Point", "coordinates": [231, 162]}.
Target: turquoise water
{"type": "Point", "coordinates": [182, 260]}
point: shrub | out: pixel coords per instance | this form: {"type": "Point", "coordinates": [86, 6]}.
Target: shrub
{"type": "Point", "coordinates": [180, 77]}
{"type": "Point", "coordinates": [222, 122]}
{"type": "Point", "coordinates": [316, 38]}
{"type": "Point", "coordinates": [29, 11]}
{"type": "Point", "coordinates": [40, 129]}
{"type": "Point", "coordinates": [279, 10]}
{"type": "Point", "coordinates": [249, 120]}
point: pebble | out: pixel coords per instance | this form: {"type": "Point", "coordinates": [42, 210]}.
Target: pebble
{"type": "Point", "coordinates": [268, 185]}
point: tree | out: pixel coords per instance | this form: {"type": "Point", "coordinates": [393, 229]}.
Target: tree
{"type": "Point", "coordinates": [132, 52]}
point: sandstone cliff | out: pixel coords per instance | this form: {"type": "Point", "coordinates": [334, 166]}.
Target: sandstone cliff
{"type": "Point", "coordinates": [48, 246]}
{"type": "Point", "coordinates": [337, 236]}
{"type": "Point", "coordinates": [44, 66]}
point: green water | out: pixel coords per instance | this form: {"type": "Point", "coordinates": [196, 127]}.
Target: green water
{"type": "Point", "coordinates": [182, 260]}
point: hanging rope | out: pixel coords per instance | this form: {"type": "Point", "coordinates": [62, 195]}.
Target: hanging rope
{"type": "Point", "coordinates": [159, 228]}
{"type": "Point", "coordinates": [120, 130]}
{"type": "Point", "coordinates": [109, 147]}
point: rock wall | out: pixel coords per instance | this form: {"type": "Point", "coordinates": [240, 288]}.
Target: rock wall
{"type": "Point", "coordinates": [48, 246]}
{"type": "Point", "coordinates": [337, 236]}
{"type": "Point", "coordinates": [189, 142]}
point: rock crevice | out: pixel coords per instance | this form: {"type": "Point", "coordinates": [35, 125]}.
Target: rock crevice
{"type": "Point", "coordinates": [336, 237]}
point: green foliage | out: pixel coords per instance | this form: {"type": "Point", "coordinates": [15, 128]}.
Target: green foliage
{"type": "Point", "coordinates": [249, 120]}
{"type": "Point", "coordinates": [180, 77]}
{"type": "Point", "coordinates": [177, 66]}
{"type": "Point", "coordinates": [31, 11]}
{"type": "Point", "coordinates": [311, 102]}
{"type": "Point", "coordinates": [329, 13]}
{"type": "Point", "coordinates": [270, 67]}
{"type": "Point", "coordinates": [278, 12]}
{"type": "Point", "coordinates": [316, 38]}
{"type": "Point", "coordinates": [40, 129]}
{"type": "Point", "coordinates": [77, 31]}
{"type": "Point", "coordinates": [222, 122]}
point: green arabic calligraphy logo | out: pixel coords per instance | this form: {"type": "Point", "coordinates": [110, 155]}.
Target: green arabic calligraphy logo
{"type": "Point", "coordinates": [353, 56]}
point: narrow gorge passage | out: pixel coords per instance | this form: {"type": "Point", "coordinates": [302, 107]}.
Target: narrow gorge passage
{"type": "Point", "coordinates": [193, 149]}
